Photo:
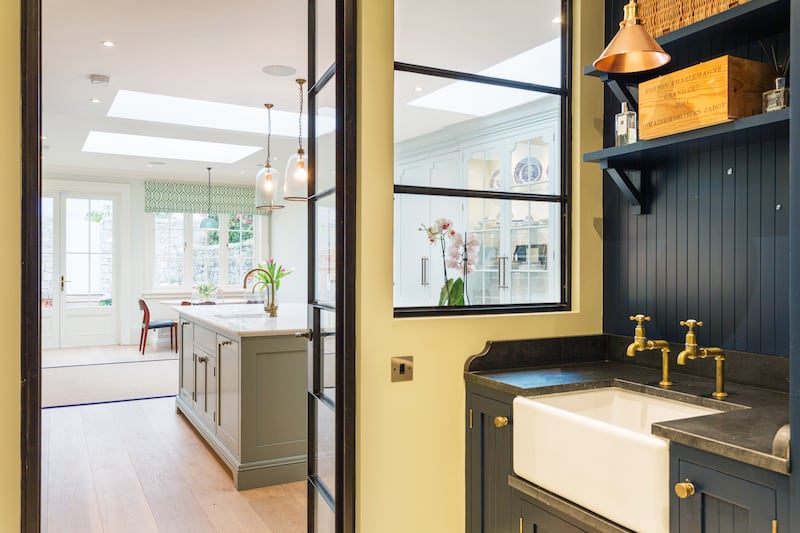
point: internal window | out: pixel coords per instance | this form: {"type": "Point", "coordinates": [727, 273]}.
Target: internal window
{"type": "Point", "coordinates": [481, 157]}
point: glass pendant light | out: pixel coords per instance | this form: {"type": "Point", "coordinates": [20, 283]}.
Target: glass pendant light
{"type": "Point", "coordinates": [632, 49]}
{"type": "Point", "coordinates": [295, 186]}
{"type": "Point", "coordinates": [268, 190]}
{"type": "Point", "coordinates": [208, 222]}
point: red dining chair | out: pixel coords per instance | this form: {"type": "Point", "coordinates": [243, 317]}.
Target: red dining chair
{"type": "Point", "coordinates": [147, 326]}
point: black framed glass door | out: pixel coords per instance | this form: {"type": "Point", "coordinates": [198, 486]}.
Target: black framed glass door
{"type": "Point", "coordinates": [331, 223]}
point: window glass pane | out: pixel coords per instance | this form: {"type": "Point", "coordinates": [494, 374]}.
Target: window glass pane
{"type": "Point", "coordinates": [328, 348]}
{"type": "Point", "coordinates": [89, 261]}
{"type": "Point", "coordinates": [205, 252]}
{"type": "Point", "coordinates": [325, 123]}
{"type": "Point", "coordinates": [508, 137]}
{"type": "Point", "coordinates": [504, 38]}
{"type": "Point", "coordinates": [325, 35]}
{"type": "Point", "coordinates": [324, 519]}
{"type": "Point", "coordinates": [491, 251]}
{"type": "Point", "coordinates": [169, 249]}
{"type": "Point", "coordinates": [325, 250]}
{"type": "Point", "coordinates": [48, 252]}
{"type": "Point", "coordinates": [325, 459]}
{"type": "Point", "coordinates": [240, 247]}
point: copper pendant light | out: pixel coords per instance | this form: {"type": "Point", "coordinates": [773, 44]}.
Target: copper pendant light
{"type": "Point", "coordinates": [632, 49]}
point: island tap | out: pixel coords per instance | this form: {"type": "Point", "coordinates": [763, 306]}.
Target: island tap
{"type": "Point", "coordinates": [269, 303]}
{"type": "Point", "coordinates": [641, 344]}
{"type": "Point", "coordinates": [691, 351]}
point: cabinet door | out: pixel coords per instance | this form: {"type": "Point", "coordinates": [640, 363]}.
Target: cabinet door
{"type": "Point", "coordinates": [228, 377]}
{"type": "Point", "coordinates": [187, 363]}
{"type": "Point", "coordinates": [534, 519]}
{"type": "Point", "coordinates": [206, 386]}
{"type": "Point", "coordinates": [488, 467]}
{"type": "Point", "coordinates": [723, 502]}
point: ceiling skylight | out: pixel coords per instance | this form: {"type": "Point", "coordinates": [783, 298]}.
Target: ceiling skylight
{"type": "Point", "coordinates": [542, 63]}
{"type": "Point", "coordinates": [103, 142]}
{"type": "Point", "coordinates": [204, 114]}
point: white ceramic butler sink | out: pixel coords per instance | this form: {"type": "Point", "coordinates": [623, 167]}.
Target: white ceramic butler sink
{"type": "Point", "coordinates": [594, 447]}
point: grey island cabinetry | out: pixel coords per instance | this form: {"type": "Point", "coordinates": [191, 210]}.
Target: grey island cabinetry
{"type": "Point", "coordinates": [242, 387]}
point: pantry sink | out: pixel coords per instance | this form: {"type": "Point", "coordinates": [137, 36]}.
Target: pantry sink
{"type": "Point", "coordinates": [594, 447]}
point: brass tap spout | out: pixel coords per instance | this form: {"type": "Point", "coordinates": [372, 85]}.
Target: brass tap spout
{"type": "Point", "coordinates": [641, 343]}
{"type": "Point", "coordinates": [690, 350]}
{"type": "Point", "coordinates": [269, 304]}
{"type": "Point", "coordinates": [693, 352]}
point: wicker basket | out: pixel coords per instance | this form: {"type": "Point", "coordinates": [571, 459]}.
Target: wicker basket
{"type": "Point", "coordinates": [663, 16]}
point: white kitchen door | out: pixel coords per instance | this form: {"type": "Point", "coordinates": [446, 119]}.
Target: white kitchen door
{"type": "Point", "coordinates": [78, 303]}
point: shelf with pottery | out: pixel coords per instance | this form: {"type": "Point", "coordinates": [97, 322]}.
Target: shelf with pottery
{"type": "Point", "coordinates": [242, 386]}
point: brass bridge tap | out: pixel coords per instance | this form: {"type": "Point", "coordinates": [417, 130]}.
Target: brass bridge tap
{"type": "Point", "coordinates": [269, 303]}
{"type": "Point", "coordinates": [641, 344]}
{"type": "Point", "coordinates": [692, 351]}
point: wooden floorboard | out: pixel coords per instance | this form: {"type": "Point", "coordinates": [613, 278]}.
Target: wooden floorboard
{"type": "Point", "coordinates": [139, 467]}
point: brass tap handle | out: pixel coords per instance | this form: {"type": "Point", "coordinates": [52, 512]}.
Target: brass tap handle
{"type": "Point", "coordinates": [691, 323]}
{"type": "Point", "coordinates": [684, 489]}
{"type": "Point", "coordinates": [500, 421]}
{"type": "Point", "coordinates": [640, 318]}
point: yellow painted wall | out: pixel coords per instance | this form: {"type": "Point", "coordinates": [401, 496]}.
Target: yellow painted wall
{"type": "Point", "coordinates": [410, 436]}
{"type": "Point", "coordinates": [10, 138]}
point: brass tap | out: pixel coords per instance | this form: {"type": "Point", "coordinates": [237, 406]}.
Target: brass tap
{"type": "Point", "coordinates": [691, 351]}
{"type": "Point", "coordinates": [641, 344]}
{"type": "Point", "coordinates": [269, 304]}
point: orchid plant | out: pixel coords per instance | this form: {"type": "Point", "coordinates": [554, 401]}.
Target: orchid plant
{"type": "Point", "coordinates": [276, 271]}
{"type": "Point", "coordinates": [459, 253]}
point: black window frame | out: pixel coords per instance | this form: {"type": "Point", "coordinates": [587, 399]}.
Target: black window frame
{"type": "Point", "coordinates": [564, 198]}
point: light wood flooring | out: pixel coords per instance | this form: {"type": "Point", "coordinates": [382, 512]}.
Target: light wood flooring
{"type": "Point", "coordinates": [139, 467]}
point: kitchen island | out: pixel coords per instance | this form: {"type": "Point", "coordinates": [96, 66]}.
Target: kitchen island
{"type": "Point", "coordinates": [243, 388]}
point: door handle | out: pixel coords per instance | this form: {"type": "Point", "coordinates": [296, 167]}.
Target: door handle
{"type": "Point", "coordinates": [63, 282]}
{"type": "Point", "coordinates": [306, 334]}
{"type": "Point", "coordinates": [424, 271]}
{"type": "Point", "coordinates": [502, 262]}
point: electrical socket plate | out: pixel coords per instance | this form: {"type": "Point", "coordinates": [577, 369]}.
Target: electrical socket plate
{"type": "Point", "coordinates": [403, 368]}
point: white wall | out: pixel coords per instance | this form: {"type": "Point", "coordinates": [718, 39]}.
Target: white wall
{"type": "Point", "coordinates": [289, 239]}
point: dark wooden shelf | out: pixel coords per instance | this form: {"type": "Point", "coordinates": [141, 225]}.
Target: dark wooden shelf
{"type": "Point", "coordinates": [773, 14]}
{"type": "Point", "coordinates": [632, 153]}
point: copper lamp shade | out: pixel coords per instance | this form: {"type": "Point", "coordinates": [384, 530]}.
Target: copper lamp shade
{"type": "Point", "coordinates": [632, 49]}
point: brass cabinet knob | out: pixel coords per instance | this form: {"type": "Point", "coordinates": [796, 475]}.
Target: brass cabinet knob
{"type": "Point", "coordinates": [684, 489]}
{"type": "Point", "coordinates": [500, 421]}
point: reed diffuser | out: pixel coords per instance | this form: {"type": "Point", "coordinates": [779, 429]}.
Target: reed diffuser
{"type": "Point", "coordinates": [777, 98]}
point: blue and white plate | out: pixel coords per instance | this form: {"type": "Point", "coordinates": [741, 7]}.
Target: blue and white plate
{"type": "Point", "coordinates": [528, 170]}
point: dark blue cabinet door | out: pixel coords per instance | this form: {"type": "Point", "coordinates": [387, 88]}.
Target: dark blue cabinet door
{"type": "Point", "coordinates": [488, 466]}
{"type": "Point", "coordinates": [724, 503]}
{"type": "Point", "coordinates": [537, 520]}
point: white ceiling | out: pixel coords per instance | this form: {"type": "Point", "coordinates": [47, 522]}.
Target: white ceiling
{"type": "Point", "coordinates": [215, 50]}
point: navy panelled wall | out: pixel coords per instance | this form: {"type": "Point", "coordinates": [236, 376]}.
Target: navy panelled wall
{"type": "Point", "coordinates": [714, 245]}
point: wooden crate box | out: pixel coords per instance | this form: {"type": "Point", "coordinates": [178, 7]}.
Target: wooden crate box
{"type": "Point", "coordinates": [708, 93]}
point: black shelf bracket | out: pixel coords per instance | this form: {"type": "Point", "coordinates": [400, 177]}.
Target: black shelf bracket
{"type": "Point", "coordinates": [624, 92]}
{"type": "Point", "coordinates": [631, 192]}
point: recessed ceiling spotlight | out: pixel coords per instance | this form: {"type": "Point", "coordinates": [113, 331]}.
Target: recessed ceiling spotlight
{"type": "Point", "coordinates": [99, 80]}
{"type": "Point", "coordinates": [418, 89]}
{"type": "Point", "coordinates": [279, 70]}
{"type": "Point", "coordinates": [275, 158]}
{"type": "Point", "coordinates": [108, 44]}
{"type": "Point", "coordinates": [557, 20]}
{"type": "Point", "coordinates": [94, 100]}
{"type": "Point", "coordinates": [152, 164]}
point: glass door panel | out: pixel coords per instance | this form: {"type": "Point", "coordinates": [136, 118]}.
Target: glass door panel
{"type": "Point", "coordinates": [325, 249]}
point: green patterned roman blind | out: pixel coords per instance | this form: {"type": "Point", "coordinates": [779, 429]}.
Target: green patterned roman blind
{"type": "Point", "coordinates": [173, 197]}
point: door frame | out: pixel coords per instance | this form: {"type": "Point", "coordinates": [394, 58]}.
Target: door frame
{"type": "Point", "coordinates": [30, 282]}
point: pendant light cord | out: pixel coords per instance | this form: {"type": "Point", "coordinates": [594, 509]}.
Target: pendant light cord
{"type": "Point", "coordinates": [300, 83]}
{"type": "Point", "coordinates": [269, 129]}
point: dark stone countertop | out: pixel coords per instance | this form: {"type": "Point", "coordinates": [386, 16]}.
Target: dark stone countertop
{"type": "Point", "coordinates": [743, 432]}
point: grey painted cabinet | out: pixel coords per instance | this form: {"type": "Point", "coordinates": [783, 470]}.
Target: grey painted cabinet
{"type": "Point", "coordinates": [187, 386]}
{"type": "Point", "coordinates": [488, 461]}
{"type": "Point", "coordinates": [246, 398]}
{"type": "Point", "coordinates": [728, 496]}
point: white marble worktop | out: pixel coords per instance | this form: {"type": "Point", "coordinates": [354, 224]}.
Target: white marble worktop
{"type": "Point", "coordinates": [248, 320]}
